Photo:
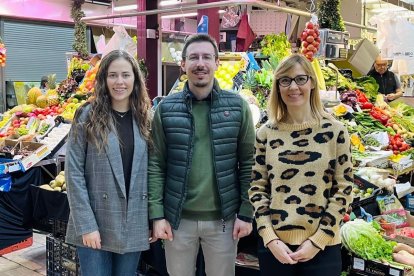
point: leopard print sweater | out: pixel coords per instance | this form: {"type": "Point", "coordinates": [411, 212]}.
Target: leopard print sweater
{"type": "Point", "coordinates": [301, 182]}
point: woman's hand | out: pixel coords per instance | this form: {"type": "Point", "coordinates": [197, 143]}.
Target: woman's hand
{"type": "Point", "coordinates": [281, 252]}
{"type": "Point", "coordinates": [92, 240]}
{"type": "Point", "coordinates": [305, 252]}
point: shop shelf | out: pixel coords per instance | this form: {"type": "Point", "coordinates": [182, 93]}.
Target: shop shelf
{"type": "Point", "coordinates": [61, 258]}
{"type": "Point", "coordinates": [17, 246]}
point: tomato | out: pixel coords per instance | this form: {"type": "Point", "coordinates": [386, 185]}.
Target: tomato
{"type": "Point", "coordinates": [303, 36]}
{"type": "Point", "coordinates": [310, 47]}
{"type": "Point", "coordinates": [310, 32]}
{"type": "Point", "coordinates": [346, 218]}
{"type": "Point", "coordinates": [309, 25]}
{"type": "Point", "coordinates": [318, 39]}
{"type": "Point", "coordinates": [310, 39]}
{"type": "Point", "coordinates": [315, 44]}
{"type": "Point", "coordinates": [305, 44]}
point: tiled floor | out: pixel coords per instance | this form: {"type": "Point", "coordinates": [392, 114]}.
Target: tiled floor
{"type": "Point", "coordinates": [30, 261]}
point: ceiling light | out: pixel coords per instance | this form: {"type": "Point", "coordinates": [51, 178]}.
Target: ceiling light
{"type": "Point", "coordinates": [221, 11]}
{"type": "Point", "coordinates": [169, 3]}
{"type": "Point", "coordinates": [380, 10]}
{"type": "Point", "coordinates": [178, 15]}
{"type": "Point", "coordinates": [126, 8]}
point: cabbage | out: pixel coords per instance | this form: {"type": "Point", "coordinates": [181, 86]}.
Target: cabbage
{"type": "Point", "coordinates": [360, 238]}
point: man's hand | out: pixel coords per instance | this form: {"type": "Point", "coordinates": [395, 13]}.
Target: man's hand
{"type": "Point", "coordinates": [305, 252]}
{"type": "Point", "coordinates": [92, 240]}
{"type": "Point", "coordinates": [393, 96]}
{"type": "Point", "coordinates": [161, 229]}
{"type": "Point", "coordinates": [241, 229]}
{"type": "Point", "coordinates": [281, 252]}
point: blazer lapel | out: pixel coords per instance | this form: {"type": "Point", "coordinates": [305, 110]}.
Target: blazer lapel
{"type": "Point", "coordinates": [114, 155]}
{"type": "Point", "coordinates": [139, 151]}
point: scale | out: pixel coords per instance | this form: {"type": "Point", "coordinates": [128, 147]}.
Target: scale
{"type": "Point", "coordinates": [334, 44]}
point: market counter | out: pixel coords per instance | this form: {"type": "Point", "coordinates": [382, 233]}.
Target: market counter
{"type": "Point", "coordinates": [408, 100]}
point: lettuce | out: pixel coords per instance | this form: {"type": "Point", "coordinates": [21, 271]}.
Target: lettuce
{"type": "Point", "coordinates": [360, 238]}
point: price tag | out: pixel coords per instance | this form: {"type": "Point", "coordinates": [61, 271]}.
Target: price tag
{"type": "Point", "coordinates": [359, 264]}
{"type": "Point", "coordinates": [394, 272]}
{"type": "Point", "coordinates": [358, 108]}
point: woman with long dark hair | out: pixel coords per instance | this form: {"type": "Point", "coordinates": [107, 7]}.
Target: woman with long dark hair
{"type": "Point", "coordinates": [106, 170]}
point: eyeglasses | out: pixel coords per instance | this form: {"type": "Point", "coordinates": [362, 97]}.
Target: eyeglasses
{"type": "Point", "coordinates": [381, 65]}
{"type": "Point", "coordinates": [299, 80]}
{"type": "Point", "coordinates": [204, 57]}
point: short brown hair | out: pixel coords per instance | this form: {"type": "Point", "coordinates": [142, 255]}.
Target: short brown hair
{"type": "Point", "coordinates": [199, 38]}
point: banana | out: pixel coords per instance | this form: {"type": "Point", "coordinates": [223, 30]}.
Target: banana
{"type": "Point", "coordinates": [319, 75]}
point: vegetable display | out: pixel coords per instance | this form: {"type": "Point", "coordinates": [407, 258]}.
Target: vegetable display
{"type": "Point", "coordinates": [360, 238]}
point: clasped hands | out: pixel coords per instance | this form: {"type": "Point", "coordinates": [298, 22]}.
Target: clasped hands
{"type": "Point", "coordinates": [305, 252]}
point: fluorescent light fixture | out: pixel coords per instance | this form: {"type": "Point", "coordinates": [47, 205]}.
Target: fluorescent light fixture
{"type": "Point", "coordinates": [380, 10]}
{"type": "Point", "coordinates": [169, 3]}
{"type": "Point", "coordinates": [126, 8]}
{"type": "Point", "coordinates": [371, 1]}
{"type": "Point", "coordinates": [178, 15]}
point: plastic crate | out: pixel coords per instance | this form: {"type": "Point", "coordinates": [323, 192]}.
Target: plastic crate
{"type": "Point", "coordinates": [59, 228]}
{"type": "Point", "coordinates": [17, 246]}
{"type": "Point", "coordinates": [61, 258]}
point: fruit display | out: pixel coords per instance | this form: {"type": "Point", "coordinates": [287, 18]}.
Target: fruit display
{"type": "Point", "coordinates": [225, 74]}
{"type": "Point", "coordinates": [2, 54]}
{"type": "Point", "coordinates": [310, 40]}
{"type": "Point", "coordinates": [67, 88]}
{"type": "Point", "coordinates": [88, 82]}
{"type": "Point", "coordinates": [56, 135]}
{"type": "Point", "coordinates": [77, 64]}
{"type": "Point", "coordinates": [361, 193]}
{"type": "Point", "coordinates": [33, 94]}
{"type": "Point", "coordinates": [58, 184]}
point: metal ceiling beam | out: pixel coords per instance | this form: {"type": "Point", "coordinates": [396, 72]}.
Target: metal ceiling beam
{"type": "Point", "coordinates": [182, 8]}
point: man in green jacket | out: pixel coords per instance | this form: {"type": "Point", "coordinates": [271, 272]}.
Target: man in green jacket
{"type": "Point", "coordinates": [200, 167]}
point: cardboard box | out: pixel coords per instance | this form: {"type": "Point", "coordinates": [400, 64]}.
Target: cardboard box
{"type": "Point", "coordinates": [39, 151]}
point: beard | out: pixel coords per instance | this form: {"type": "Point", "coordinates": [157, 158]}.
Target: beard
{"type": "Point", "coordinates": [200, 83]}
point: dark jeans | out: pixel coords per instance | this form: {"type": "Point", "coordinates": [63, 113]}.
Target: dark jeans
{"type": "Point", "coordinates": [103, 263]}
{"type": "Point", "coordinates": [326, 262]}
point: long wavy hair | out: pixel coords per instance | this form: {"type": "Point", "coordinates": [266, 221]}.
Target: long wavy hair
{"type": "Point", "coordinates": [277, 109]}
{"type": "Point", "coordinates": [100, 120]}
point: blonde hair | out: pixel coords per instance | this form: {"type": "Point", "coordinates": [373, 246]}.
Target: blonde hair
{"type": "Point", "coordinates": [277, 109]}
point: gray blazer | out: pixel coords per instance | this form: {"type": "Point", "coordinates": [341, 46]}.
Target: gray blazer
{"type": "Point", "coordinates": [96, 192]}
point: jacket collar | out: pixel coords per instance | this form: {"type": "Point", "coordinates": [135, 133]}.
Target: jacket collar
{"type": "Point", "coordinates": [189, 96]}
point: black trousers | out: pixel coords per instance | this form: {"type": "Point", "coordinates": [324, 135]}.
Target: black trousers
{"type": "Point", "coordinates": [327, 262]}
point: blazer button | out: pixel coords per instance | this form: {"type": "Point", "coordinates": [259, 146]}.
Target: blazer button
{"type": "Point", "coordinates": [105, 196]}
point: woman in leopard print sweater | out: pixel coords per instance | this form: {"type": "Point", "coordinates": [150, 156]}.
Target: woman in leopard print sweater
{"type": "Point", "coordinates": [302, 177]}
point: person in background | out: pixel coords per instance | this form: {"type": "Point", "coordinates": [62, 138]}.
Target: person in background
{"type": "Point", "coordinates": [389, 83]}
{"type": "Point", "coordinates": [106, 171]}
{"type": "Point", "coordinates": [199, 171]}
{"type": "Point", "coordinates": [44, 83]}
{"type": "Point", "coordinates": [302, 177]}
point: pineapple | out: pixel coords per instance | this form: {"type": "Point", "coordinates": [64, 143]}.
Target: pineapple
{"type": "Point", "coordinates": [250, 85]}
{"type": "Point", "coordinates": [51, 79]}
